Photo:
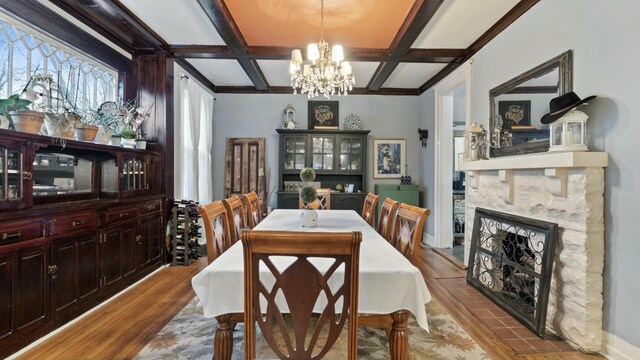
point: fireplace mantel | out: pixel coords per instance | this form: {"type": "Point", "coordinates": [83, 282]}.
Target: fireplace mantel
{"type": "Point", "coordinates": [555, 167]}
{"type": "Point", "coordinates": [579, 159]}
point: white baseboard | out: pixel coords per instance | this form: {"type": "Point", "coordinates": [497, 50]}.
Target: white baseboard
{"type": "Point", "coordinates": [429, 240]}
{"type": "Point", "coordinates": [85, 314]}
{"type": "Point", "coordinates": [615, 348]}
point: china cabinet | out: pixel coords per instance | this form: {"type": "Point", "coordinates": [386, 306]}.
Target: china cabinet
{"type": "Point", "coordinates": [337, 156]}
{"type": "Point", "coordinates": [78, 224]}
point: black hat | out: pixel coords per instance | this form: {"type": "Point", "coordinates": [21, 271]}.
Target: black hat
{"type": "Point", "coordinates": [561, 105]}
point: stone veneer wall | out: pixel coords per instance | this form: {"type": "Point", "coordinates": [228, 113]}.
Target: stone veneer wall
{"type": "Point", "coordinates": [575, 301]}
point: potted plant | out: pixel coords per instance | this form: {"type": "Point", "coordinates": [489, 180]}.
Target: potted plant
{"type": "Point", "coordinates": [128, 138]}
{"type": "Point", "coordinates": [308, 195]}
{"type": "Point", "coordinates": [19, 116]}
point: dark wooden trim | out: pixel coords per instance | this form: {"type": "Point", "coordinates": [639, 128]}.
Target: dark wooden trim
{"type": "Point", "coordinates": [252, 69]}
{"type": "Point", "coordinates": [196, 74]}
{"type": "Point", "coordinates": [38, 15]}
{"type": "Point", "coordinates": [289, 90]}
{"type": "Point", "coordinates": [284, 53]}
{"type": "Point", "coordinates": [221, 18]}
{"type": "Point", "coordinates": [381, 75]}
{"type": "Point", "coordinates": [518, 10]}
{"type": "Point", "coordinates": [420, 14]}
{"type": "Point", "coordinates": [534, 90]}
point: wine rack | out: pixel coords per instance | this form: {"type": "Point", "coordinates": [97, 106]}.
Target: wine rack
{"type": "Point", "coordinates": [185, 232]}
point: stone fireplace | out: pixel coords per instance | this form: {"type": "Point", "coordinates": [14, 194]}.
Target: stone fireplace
{"type": "Point", "coordinates": [562, 188]}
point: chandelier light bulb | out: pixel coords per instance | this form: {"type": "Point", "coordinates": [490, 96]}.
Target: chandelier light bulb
{"type": "Point", "coordinates": [312, 52]}
{"type": "Point", "coordinates": [337, 53]}
{"type": "Point", "coordinates": [296, 56]}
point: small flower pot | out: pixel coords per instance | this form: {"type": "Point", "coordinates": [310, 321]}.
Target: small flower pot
{"type": "Point", "coordinates": [141, 144]}
{"type": "Point", "coordinates": [115, 141]}
{"type": "Point", "coordinates": [103, 136]}
{"type": "Point", "coordinates": [28, 121]}
{"type": "Point", "coordinates": [86, 132]}
{"type": "Point", "coordinates": [128, 143]}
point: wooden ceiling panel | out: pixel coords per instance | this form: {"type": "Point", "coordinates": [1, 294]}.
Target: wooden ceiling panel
{"type": "Point", "coordinates": [222, 72]}
{"type": "Point", "coordinates": [296, 23]}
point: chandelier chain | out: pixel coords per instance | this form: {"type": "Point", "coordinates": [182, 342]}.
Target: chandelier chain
{"type": "Point", "coordinates": [321, 19]}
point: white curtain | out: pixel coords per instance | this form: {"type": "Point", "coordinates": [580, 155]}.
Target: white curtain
{"type": "Point", "coordinates": [194, 140]}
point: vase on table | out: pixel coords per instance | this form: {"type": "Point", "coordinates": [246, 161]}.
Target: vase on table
{"type": "Point", "coordinates": [309, 218]}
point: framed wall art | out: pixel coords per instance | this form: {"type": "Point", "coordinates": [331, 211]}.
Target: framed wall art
{"type": "Point", "coordinates": [389, 158]}
{"type": "Point", "coordinates": [323, 115]}
{"type": "Point", "coordinates": [515, 113]}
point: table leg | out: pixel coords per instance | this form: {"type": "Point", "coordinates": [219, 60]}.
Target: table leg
{"type": "Point", "coordinates": [399, 338]}
{"type": "Point", "coordinates": [223, 338]}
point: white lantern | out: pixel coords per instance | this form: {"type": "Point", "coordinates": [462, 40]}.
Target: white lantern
{"type": "Point", "coordinates": [569, 132]}
{"type": "Point", "coordinates": [474, 142]}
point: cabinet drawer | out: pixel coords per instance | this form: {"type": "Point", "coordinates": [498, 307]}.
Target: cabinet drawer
{"type": "Point", "coordinates": [66, 224]}
{"type": "Point", "coordinates": [16, 231]}
{"type": "Point", "coordinates": [122, 213]}
{"type": "Point", "coordinates": [149, 207]}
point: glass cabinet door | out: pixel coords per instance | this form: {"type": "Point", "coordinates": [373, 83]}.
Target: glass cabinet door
{"type": "Point", "coordinates": [322, 152]}
{"type": "Point", "coordinates": [295, 152]}
{"type": "Point", "coordinates": [350, 154]}
{"type": "Point", "coordinates": [134, 174]}
{"type": "Point", "coordinates": [12, 176]}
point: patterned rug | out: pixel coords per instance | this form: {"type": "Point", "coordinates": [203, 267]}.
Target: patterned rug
{"type": "Point", "coordinates": [189, 335]}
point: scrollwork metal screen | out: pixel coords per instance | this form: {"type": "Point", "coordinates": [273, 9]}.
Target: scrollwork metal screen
{"type": "Point", "coordinates": [510, 262]}
{"type": "Point", "coordinates": [24, 49]}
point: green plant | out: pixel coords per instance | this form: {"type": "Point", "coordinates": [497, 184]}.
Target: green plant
{"type": "Point", "coordinates": [308, 194]}
{"type": "Point", "coordinates": [307, 175]}
{"type": "Point", "coordinates": [128, 133]}
{"type": "Point", "coordinates": [11, 104]}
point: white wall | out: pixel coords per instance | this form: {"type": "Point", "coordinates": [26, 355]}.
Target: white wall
{"type": "Point", "coordinates": [602, 35]}
{"type": "Point", "coordinates": [258, 115]}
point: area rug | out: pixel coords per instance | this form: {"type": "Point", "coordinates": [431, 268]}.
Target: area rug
{"type": "Point", "coordinates": [189, 335]}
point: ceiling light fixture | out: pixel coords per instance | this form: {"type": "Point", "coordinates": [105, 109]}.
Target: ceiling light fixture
{"type": "Point", "coordinates": [325, 72]}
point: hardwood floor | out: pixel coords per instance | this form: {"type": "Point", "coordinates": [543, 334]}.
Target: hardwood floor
{"type": "Point", "coordinates": [120, 329]}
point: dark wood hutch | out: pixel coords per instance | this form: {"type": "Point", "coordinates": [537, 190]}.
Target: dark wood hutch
{"type": "Point", "coordinates": [337, 156]}
{"type": "Point", "coordinates": [62, 253]}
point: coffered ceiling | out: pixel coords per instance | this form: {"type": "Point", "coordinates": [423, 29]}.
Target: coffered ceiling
{"type": "Point", "coordinates": [395, 46]}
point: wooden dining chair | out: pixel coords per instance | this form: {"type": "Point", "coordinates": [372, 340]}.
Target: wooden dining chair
{"type": "Point", "coordinates": [216, 229]}
{"type": "Point", "coordinates": [386, 217]}
{"type": "Point", "coordinates": [369, 208]}
{"type": "Point", "coordinates": [254, 211]}
{"type": "Point", "coordinates": [235, 213]}
{"type": "Point", "coordinates": [322, 203]}
{"type": "Point", "coordinates": [406, 236]}
{"type": "Point", "coordinates": [300, 284]}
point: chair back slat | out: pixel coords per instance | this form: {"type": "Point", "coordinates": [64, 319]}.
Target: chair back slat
{"type": "Point", "coordinates": [254, 211]}
{"type": "Point", "coordinates": [301, 284]}
{"type": "Point", "coordinates": [407, 231]}
{"type": "Point", "coordinates": [386, 217]}
{"type": "Point", "coordinates": [216, 229]}
{"type": "Point", "coordinates": [235, 213]}
{"type": "Point", "coordinates": [369, 208]}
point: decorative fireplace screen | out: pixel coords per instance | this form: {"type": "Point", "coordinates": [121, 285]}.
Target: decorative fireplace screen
{"type": "Point", "coordinates": [510, 262]}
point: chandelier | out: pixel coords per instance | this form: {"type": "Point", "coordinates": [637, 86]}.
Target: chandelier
{"type": "Point", "coordinates": [324, 72]}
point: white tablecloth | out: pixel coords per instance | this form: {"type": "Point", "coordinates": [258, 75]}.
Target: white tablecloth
{"type": "Point", "coordinates": [388, 281]}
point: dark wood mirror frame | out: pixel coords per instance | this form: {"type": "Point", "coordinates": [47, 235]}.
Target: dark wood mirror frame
{"type": "Point", "coordinates": [564, 64]}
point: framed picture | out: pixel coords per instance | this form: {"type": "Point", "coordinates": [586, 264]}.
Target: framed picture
{"type": "Point", "coordinates": [515, 113]}
{"type": "Point", "coordinates": [323, 115]}
{"type": "Point", "coordinates": [389, 158]}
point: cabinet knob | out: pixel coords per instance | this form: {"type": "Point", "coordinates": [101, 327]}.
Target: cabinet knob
{"type": "Point", "coordinates": [77, 223]}
{"type": "Point", "coordinates": [26, 175]}
{"type": "Point", "coordinates": [53, 269]}
{"type": "Point", "coordinates": [139, 239]}
{"type": "Point", "coordinates": [123, 214]}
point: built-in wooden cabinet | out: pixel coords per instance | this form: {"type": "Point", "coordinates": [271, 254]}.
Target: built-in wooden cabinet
{"type": "Point", "coordinates": [337, 156]}
{"type": "Point", "coordinates": [78, 224]}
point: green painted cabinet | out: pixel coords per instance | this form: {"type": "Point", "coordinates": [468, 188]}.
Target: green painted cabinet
{"type": "Point", "coordinates": [408, 194]}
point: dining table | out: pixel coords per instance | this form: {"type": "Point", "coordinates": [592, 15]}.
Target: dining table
{"type": "Point", "coordinates": [388, 282]}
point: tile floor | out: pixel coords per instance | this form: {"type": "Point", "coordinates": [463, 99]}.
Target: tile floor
{"type": "Point", "coordinates": [504, 326]}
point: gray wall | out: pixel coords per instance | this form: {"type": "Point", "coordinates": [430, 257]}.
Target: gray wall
{"type": "Point", "coordinates": [258, 115]}
{"type": "Point", "coordinates": [427, 162]}
{"type": "Point", "coordinates": [602, 37]}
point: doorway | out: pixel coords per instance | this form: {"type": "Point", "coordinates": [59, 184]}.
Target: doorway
{"type": "Point", "coordinates": [452, 116]}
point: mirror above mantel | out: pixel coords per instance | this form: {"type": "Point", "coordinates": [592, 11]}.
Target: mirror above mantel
{"type": "Point", "coordinates": [516, 107]}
